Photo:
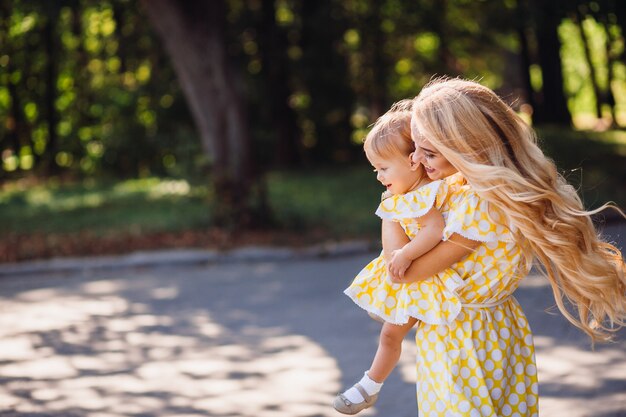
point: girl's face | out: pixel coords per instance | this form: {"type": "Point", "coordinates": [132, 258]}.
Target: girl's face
{"type": "Point", "coordinates": [436, 166]}
{"type": "Point", "coordinates": [398, 173]}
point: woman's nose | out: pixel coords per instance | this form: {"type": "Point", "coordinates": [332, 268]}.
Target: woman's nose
{"type": "Point", "coordinates": [379, 176]}
{"type": "Point", "coordinates": [416, 157]}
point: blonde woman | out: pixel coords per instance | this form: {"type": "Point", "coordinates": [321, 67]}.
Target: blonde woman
{"type": "Point", "coordinates": [509, 206]}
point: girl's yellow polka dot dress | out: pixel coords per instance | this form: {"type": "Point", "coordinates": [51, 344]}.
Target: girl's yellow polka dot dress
{"type": "Point", "coordinates": [482, 361]}
{"type": "Point", "coordinates": [432, 301]}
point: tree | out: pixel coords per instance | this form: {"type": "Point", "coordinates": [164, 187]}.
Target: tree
{"type": "Point", "coordinates": [611, 61]}
{"type": "Point", "coordinates": [374, 59]}
{"type": "Point", "coordinates": [552, 108]}
{"type": "Point", "coordinates": [51, 41]}
{"type": "Point", "coordinates": [324, 77]}
{"type": "Point", "coordinates": [578, 17]}
{"type": "Point", "coordinates": [525, 54]}
{"type": "Point", "coordinates": [273, 45]}
{"type": "Point", "coordinates": [193, 34]}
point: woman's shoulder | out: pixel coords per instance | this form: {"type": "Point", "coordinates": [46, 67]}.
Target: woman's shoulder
{"type": "Point", "coordinates": [475, 218]}
{"type": "Point", "coordinates": [455, 181]}
{"type": "Point", "coordinates": [465, 194]}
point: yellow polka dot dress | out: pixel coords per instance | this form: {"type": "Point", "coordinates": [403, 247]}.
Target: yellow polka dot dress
{"type": "Point", "coordinates": [482, 362]}
{"type": "Point", "coordinates": [433, 300]}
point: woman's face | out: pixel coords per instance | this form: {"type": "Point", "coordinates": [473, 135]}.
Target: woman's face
{"type": "Point", "coordinates": [436, 166]}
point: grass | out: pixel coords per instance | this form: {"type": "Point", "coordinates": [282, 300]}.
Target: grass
{"type": "Point", "coordinates": [136, 206]}
{"type": "Point", "coordinates": [325, 203]}
{"type": "Point", "coordinates": [594, 162]}
{"type": "Point", "coordinates": [340, 202]}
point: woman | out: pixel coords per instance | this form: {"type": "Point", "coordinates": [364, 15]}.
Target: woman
{"type": "Point", "coordinates": [508, 207]}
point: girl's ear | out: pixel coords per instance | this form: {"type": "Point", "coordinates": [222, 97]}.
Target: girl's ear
{"type": "Point", "coordinates": [414, 166]}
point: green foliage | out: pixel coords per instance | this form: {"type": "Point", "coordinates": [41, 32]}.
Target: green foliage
{"type": "Point", "coordinates": [114, 107]}
{"type": "Point", "coordinates": [337, 202]}
{"type": "Point", "coordinates": [118, 107]}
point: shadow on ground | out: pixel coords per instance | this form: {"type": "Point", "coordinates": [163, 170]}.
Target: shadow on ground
{"type": "Point", "coordinates": [265, 339]}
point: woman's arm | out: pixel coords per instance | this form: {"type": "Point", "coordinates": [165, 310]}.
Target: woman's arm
{"type": "Point", "coordinates": [436, 260]}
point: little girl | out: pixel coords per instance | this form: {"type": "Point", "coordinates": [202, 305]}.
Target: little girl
{"type": "Point", "coordinates": [413, 201]}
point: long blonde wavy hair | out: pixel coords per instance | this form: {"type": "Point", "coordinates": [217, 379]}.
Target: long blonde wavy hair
{"type": "Point", "coordinates": [497, 153]}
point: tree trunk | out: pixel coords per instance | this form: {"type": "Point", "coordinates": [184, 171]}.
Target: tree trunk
{"type": "Point", "coordinates": [579, 18]}
{"type": "Point", "coordinates": [15, 117]}
{"type": "Point", "coordinates": [18, 121]}
{"type": "Point", "coordinates": [193, 33]}
{"type": "Point", "coordinates": [118, 16]}
{"type": "Point", "coordinates": [553, 105]}
{"type": "Point", "coordinates": [49, 34]}
{"type": "Point", "coordinates": [447, 60]}
{"type": "Point", "coordinates": [618, 7]}
{"type": "Point", "coordinates": [525, 56]}
{"type": "Point", "coordinates": [84, 94]}
{"type": "Point", "coordinates": [610, 63]}
{"type": "Point", "coordinates": [273, 46]}
{"type": "Point", "coordinates": [374, 40]}
{"type": "Point", "coordinates": [324, 72]}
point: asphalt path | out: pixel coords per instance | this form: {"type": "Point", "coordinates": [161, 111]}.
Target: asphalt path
{"type": "Point", "coordinates": [255, 338]}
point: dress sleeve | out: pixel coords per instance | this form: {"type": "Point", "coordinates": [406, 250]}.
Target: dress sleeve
{"type": "Point", "coordinates": [413, 204]}
{"type": "Point", "coordinates": [471, 217]}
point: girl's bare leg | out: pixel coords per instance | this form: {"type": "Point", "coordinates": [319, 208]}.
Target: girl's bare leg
{"type": "Point", "coordinates": [389, 349]}
{"type": "Point", "coordinates": [386, 358]}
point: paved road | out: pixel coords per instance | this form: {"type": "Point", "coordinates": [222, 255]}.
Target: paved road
{"type": "Point", "coordinates": [248, 339]}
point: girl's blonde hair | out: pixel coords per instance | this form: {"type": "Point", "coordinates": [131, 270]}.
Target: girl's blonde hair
{"type": "Point", "coordinates": [497, 153]}
{"type": "Point", "coordinates": [391, 134]}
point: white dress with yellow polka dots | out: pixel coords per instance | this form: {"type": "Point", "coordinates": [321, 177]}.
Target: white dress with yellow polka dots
{"type": "Point", "coordinates": [481, 363]}
{"type": "Point", "coordinates": [432, 301]}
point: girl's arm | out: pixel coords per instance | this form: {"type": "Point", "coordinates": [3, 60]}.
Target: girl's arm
{"type": "Point", "coordinates": [430, 233]}
{"type": "Point", "coordinates": [436, 260]}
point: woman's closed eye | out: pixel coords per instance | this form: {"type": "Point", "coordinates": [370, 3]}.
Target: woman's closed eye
{"type": "Point", "coordinates": [428, 154]}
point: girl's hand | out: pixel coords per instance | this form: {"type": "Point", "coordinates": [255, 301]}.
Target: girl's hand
{"type": "Point", "coordinates": [398, 265]}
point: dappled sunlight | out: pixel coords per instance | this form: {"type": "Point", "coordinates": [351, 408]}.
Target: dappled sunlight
{"type": "Point", "coordinates": [589, 376]}
{"type": "Point", "coordinates": [170, 187]}
{"type": "Point", "coordinates": [265, 339]}
{"type": "Point", "coordinates": [41, 310]}
{"type": "Point", "coordinates": [98, 352]}
{"type": "Point", "coordinates": [574, 380]}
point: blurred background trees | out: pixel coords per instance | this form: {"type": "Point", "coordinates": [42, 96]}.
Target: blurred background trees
{"type": "Point", "coordinates": [228, 90]}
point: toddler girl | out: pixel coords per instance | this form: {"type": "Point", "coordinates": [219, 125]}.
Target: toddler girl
{"type": "Point", "coordinates": [413, 201]}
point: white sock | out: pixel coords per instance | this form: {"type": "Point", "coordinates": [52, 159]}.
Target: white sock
{"type": "Point", "coordinates": [370, 386]}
